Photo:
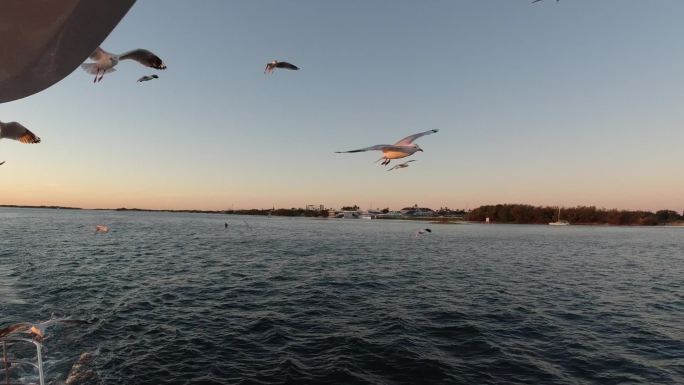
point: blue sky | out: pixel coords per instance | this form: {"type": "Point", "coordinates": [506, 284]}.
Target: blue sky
{"type": "Point", "coordinates": [577, 102]}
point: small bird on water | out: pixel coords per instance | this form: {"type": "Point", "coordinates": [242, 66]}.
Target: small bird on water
{"type": "Point", "coordinates": [101, 229]}
{"type": "Point", "coordinates": [270, 67]}
{"type": "Point", "coordinates": [147, 78]}
{"type": "Point", "coordinates": [421, 232]}
{"type": "Point", "coordinates": [104, 62]}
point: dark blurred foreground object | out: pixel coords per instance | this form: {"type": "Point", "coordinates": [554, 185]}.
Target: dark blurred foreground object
{"type": "Point", "coordinates": [43, 41]}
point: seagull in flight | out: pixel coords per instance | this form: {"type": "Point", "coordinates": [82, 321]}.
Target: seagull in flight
{"type": "Point", "coordinates": [536, 1]}
{"type": "Point", "coordinates": [400, 149]}
{"type": "Point", "coordinates": [104, 62]}
{"type": "Point", "coordinates": [147, 78]}
{"type": "Point", "coordinates": [14, 130]}
{"type": "Point", "coordinates": [37, 330]}
{"type": "Point", "coordinates": [402, 165]}
{"type": "Point", "coordinates": [279, 64]}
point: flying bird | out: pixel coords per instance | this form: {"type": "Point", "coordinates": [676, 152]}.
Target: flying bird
{"type": "Point", "coordinates": [14, 130]}
{"type": "Point", "coordinates": [398, 150]}
{"type": "Point", "coordinates": [37, 330]}
{"type": "Point", "coordinates": [270, 67]}
{"type": "Point", "coordinates": [104, 62]}
{"type": "Point", "coordinates": [536, 1]}
{"type": "Point", "coordinates": [147, 78]}
{"type": "Point", "coordinates": [101, 229]}
{"type": "Point", "coordinates": [421, 232]}
{"type": "Point", "coordinates": [402, 165]}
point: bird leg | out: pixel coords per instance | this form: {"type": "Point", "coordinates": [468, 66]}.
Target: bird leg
{"type": "Point", "coordinates": [97, 73]}
{"type": "Point", "coordinates": [101, 76]}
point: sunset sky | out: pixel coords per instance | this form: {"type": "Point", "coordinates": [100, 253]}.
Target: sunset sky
{"type": "Point", "coordinates": [579, 102]}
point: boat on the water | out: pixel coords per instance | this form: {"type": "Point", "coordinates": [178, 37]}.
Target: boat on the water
{"type": "Point", "coordinates": [559, 221]}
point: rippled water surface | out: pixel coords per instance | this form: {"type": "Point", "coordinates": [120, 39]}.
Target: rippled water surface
{"type": "Point", "coordinates": [178, 299]}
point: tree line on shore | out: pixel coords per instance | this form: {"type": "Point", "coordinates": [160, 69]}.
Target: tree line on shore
{"type": "Point", "coordinates": [528, 214]}
{"type": "Point", "coordinates": [500, 213]}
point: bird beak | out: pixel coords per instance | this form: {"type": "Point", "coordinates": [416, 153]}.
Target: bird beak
{"type": "Point", "coordinates": [420, 149]}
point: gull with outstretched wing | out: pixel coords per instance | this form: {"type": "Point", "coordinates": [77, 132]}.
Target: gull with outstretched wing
{"type": "Point", "coordinates": [104, 62]}
{"type": "Point", "coordinates": [37, 330]}
{"type": "Point", "coordinates": [279, 64]}
{"type": "Point", "coordinates": [398, 150]}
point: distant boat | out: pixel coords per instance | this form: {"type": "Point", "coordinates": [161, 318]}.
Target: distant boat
{"type": "Point", "coordinates": [559, 222]}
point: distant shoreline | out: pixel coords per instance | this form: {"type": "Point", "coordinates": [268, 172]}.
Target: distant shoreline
{"type": "Point", "coordinates": [323, 215]}
{"type": "Point", "coordinates": [41, 207]}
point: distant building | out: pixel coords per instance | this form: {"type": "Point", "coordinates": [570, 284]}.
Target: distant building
{"type": "Point", "coordinates": [416, 211]}
{"type": "Point", "coordinates": [354, 214]}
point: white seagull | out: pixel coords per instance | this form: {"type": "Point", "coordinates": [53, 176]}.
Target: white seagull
{"type": "Point", "coordinates": [398, 150]}
{"type": "Point", "coordinates": [101, 229]}
{"type": "Point", "coordinates": [37, 330]}
{"type": "Point", "coordinates": [147, 78]}
{"type": "Point", "coordinates": [402, 165]}
{"type": "Point", "coordinates": [279, 64]}
{"type": "Point", "coordinates": [104, 62]}
{"type": "Point", "coordinates": [14, 130]}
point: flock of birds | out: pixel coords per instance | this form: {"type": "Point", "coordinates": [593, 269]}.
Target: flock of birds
{"type": "Point", "coordinates": [103, 62]}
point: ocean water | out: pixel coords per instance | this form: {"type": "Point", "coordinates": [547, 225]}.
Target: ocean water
{"type": "Point", "coordinates": [178, 299]}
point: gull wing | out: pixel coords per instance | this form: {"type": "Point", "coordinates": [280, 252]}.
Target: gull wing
{"type": "Point", "coordinates": [409, 139]}
{"type": "Point", "coordinates": [144, 57]}
{"type": "Point", "coordinates": [3, 162]}
{"type": "Point", "coordinates": [379, 147]}
{"type": "Point", "coordinates": [16, 131]}
{"type": "Point", "coordinates": [20, 327]}
{"type": "Point", "coordinates": [284, 64]}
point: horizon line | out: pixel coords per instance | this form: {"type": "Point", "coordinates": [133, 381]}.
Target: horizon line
{"type": "Point", "coordinates": [3, 205]}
